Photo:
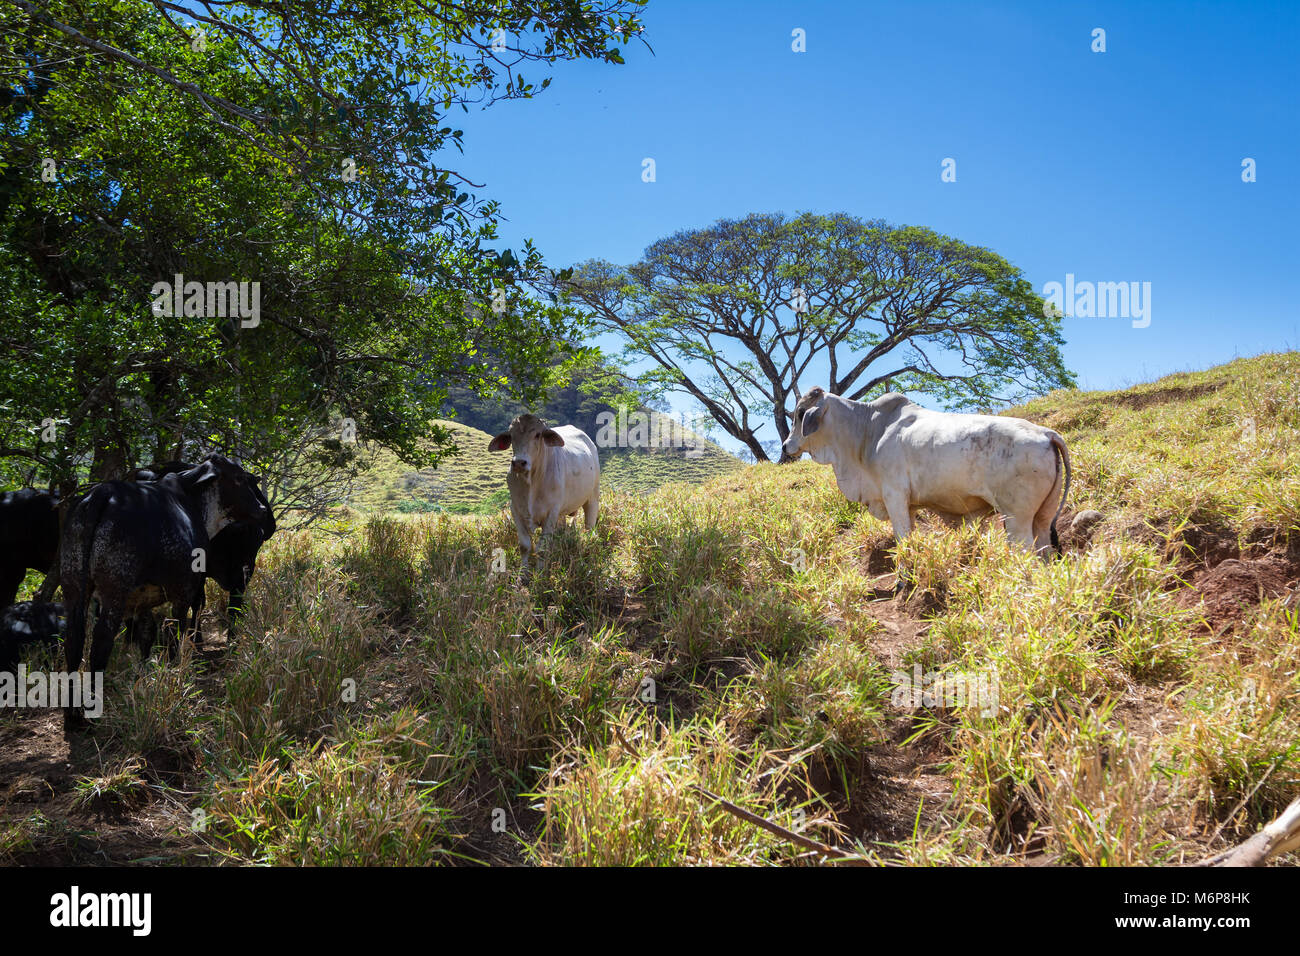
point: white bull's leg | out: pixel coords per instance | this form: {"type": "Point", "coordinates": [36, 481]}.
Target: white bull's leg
{"type": "Point", "coordinates": [590, 510]}
{"type": "Point", "coordinates": [1021, 531]}
{"type": "Point", "coordinates": [900, 516]}
{"type": "Point", "coordinates": [1043, 520]}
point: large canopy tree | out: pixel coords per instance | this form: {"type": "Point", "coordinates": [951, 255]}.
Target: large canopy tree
{"type": "Point", "coordinates": [297, 144]}
{"type": "Point", "coordinates": [740, 314]}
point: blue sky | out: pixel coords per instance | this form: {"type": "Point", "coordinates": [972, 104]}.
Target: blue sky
{"type": "Point", "coordinates": [1115, 166]}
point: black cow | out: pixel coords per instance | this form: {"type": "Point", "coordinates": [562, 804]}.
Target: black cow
{"type": "Point", "coordinates": [29, 537]}
{"type": "Point", "coordinates": [27, 622]}
{"type": "Point", "coordinates": [232, 554]}
{"type": "Point", "coordinates": [132, 546]}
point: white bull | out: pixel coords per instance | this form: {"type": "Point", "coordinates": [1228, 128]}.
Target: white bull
{"type": "Point", "coordinates": [555, 473]}
{"type": "Point", "coordinates": [897, 458]}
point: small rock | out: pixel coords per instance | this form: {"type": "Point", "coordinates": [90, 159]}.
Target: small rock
{"type": "Point", "coordinates": [1085, 520]}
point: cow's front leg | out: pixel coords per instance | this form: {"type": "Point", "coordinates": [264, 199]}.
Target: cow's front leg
{"type": "Point", "coordinates": [549, 522]}
{"type": "Point", "coordinates": [900, 516]}
{"type": "Point", "coordinates": [524, 529]}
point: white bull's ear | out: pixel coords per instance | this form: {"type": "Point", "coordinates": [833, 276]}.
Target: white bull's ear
{"type": "Point", "coordinates": [812, 419]}
{"type": "Point", "coordinates": [500, 443]}
{"type": "Point", "coordinates": [552, 438]}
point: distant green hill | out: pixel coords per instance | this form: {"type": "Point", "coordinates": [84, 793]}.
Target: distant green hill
{"type": "Point", "coordinates": [641, 469]}
{"type": "Point", "coordinates": [462, 483]}
{"type": "Point", "coordinates": [475, 479]}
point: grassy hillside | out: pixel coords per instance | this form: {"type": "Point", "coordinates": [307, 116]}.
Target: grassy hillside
{"type": "Point", "coordinates": [636, 469]}
{"type": "Point", "coordinates": [460, 484]}
{"type": "Point", "coordinates": [475, 479]}
{"type": "Point", "coordinates": [740, 639]}
{"type": "Point", "coordinates": [1215, 448]}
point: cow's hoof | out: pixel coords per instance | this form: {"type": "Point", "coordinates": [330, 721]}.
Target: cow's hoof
{"type": "Point", "coordinates": [74, 720]}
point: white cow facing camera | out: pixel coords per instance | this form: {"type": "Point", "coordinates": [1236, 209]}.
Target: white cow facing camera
{"type": "Point", "coordinates": [555, 472]}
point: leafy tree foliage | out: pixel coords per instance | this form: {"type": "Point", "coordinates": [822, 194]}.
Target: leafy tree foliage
{"type": "Point", "coordinates": [578, 390]}
{"type": "Point", "coordinates": [294, 144]}
{"type": "Point", "coordinates": [740, 314]}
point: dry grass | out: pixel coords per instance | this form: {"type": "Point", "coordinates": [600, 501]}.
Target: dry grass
{"type": "Point", "coordinates": [393, 698]}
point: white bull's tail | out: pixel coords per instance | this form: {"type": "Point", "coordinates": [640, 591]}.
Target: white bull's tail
{"type": "Point", "coordinates": [1059, 444]}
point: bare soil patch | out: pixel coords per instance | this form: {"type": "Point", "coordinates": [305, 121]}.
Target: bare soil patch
{"type": "Point", "coordinates": [1227, 591]}
{"type": "Point", "coordinates": [39, 770]}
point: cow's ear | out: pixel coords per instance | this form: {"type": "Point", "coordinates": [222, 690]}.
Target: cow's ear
{"type": "Point", "coordinates": [812, 419]}
{"type": "Point", "coordinates": [198, 476]}
{"type": "Point", "coordinates": [500, 443]}
{"type": "Point", "coordinates": [552, 438]}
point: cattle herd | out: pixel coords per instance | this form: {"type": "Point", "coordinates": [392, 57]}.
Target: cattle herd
{"type": "Point", "coordinates": [127, 547]}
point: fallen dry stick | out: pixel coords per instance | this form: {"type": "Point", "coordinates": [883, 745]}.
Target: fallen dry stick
{"type": "Point", "coordinates": [1280, 836]}
{"type": "Point", "coordinates": [833, 854]}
